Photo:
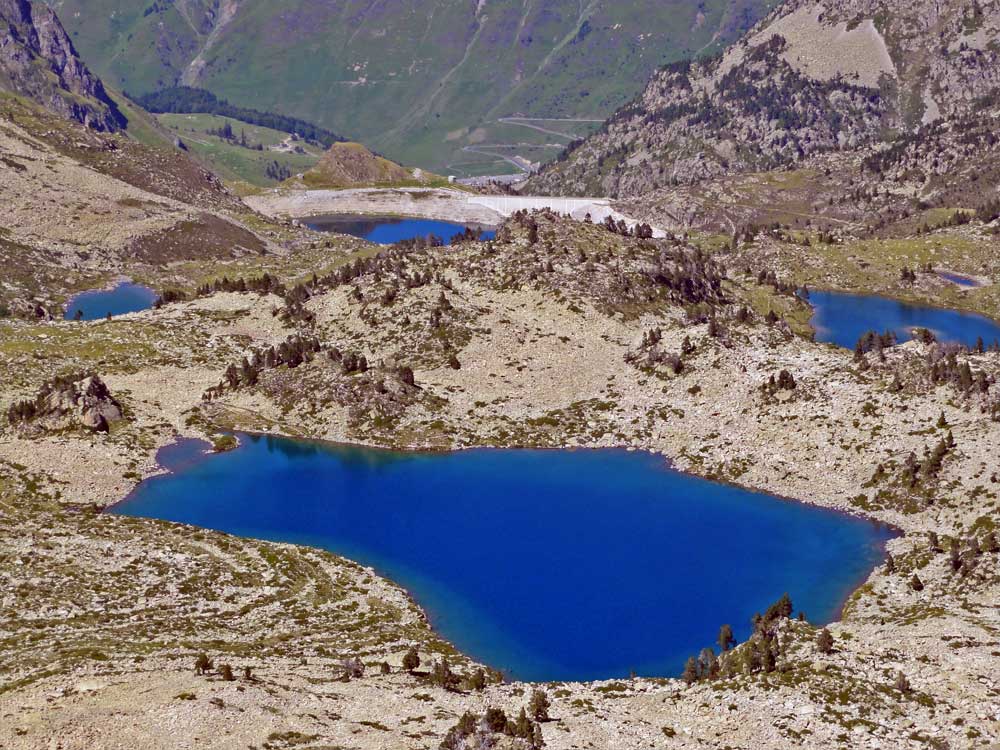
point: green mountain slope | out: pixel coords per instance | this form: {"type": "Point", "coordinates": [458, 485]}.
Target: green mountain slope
{"type": "Point", "coordinates": [420, 80]}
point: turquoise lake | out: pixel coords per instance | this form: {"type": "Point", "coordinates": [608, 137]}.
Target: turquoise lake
{"type": "Point", "coordinates": [386, 231]}
{"type": "Point", "coordinates": [842, 319]}
{"type": "Point", "coordinates": [124, 298]}
{"type": "Point", "coordinates": [549, 565]}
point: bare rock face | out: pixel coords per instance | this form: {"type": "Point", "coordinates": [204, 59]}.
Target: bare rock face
{"type": "Point", "coordinates": [38, 61]}
{"type": "Point", "coordinates": [95, 407]}
{"type": "Point", "coordinates": [65, 404]}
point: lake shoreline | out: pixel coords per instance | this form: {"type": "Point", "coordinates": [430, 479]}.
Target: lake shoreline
{"type": "Point", "coordinates": [477, 455]}
{"type": "Point", "coordinates": [913, 301]}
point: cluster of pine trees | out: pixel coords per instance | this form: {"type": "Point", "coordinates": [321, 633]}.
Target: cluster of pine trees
{"type": "Point", "coordinates": [265, 284]}
{"type": "Point", "coordinates": [770, 278]}
{"type": "Point", "coordinates": [784, 382]}
{"type": "Point", "coordinates": [277, 171]}
{"type": "Point", "coordinates": [474, 731]}
{"type": "Point", "coordinates": [945, 368]}
{"type": "Point", "coordinates": [926, 469]}
{"type": "Point", "coordinates": [873, 341]}
{"type": "Point", "coordinates": [292, 352]}
{"type": "Point", "coordinates": [963, 560]}
{"type": "Point", "coordinates": [468, 235]}
{"type": "Point", "coordinates": [641, 231]}
{"type": "Point", "coordinates": [690, 276]}
{"type": "Point", "coordinates": [759, 654]}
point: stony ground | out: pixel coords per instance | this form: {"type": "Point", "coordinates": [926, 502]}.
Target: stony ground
{"type": "Point", "coordinates": [101, 617]}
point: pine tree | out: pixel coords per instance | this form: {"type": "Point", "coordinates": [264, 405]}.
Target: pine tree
{"type": "Point", "coordinates": [708, 664]}
{"type": "Point", "coordinates": [411, 660]}
{"type": "Point", "coordinates": [539, 705]}
{"type": "Point", "coordinates": [496, 720]}
{"type": "Point", "coordinates": [477, 680]}
{"type": "Point", "coordinates": [442, 676]}
{"type": "Point", "coordinates": [955, 553]}
{"type": "Point", "coordinates": [523, 727]}
{"type": "Point", "coordinates": [690, 675]}
{"type": "Point", "coordinates": [726, 639]}
{"type": "Point", "coordinates": [767, 659]}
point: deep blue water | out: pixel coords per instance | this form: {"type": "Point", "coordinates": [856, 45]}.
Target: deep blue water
{"type": "Point", "coordinates": [547, 564]}
{"type": "Point", "coordinates": [386, 231]}
{"type": "Point", "coordinates": [124, 298]}
{"type": "Point", "coordinates": [842, 319]}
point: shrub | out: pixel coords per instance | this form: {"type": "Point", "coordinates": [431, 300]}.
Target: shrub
{"type": "Point", "coordinates": [824, 641]}
{"type": "Point", "coordinates": [202, 664]}
{"type": "Point", "coordinates": [539, 705]}
{"type": "Point", "coordinates": [411, 660]}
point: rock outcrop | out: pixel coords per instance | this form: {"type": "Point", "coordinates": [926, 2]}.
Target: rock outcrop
{"type": "Point", "coordinates": [38, 61]}
{"type": "Point", "coordinates": [351, 165]}
{"type": "Point", "coordinates": [67, 403]}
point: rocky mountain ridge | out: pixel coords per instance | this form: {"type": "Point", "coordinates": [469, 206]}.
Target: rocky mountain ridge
{"type": "Point", "coordinates": [813, 77]}
{"type": "Point", "coordinates": [38, 60]}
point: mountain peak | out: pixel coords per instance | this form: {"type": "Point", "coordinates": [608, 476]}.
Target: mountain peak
{"type": "Point", "coordinates": [38, 61]}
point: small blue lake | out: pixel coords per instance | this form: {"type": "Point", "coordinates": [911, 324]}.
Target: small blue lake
{"type": "Point", "coordinates": [124, 298]}
{"type": "Point", "coordinates": [550, 565]}
{"type": "Point", "coordinates": [386, 231]}
{"type": "Point", "coordinates": [963, 281]}
{"type": "Point", "coordinates": [842, 319]}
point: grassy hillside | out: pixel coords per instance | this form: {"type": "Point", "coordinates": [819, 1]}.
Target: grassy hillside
{"type": "Point", "coordinates": [417, 82]}
{"type": "Point", "coordinates": [236, 162]}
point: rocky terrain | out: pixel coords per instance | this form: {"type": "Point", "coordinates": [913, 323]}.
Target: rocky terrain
{"type": "Point", "coordinates": [811, 78]}
{"type": "Point", "coordinates": [549, 326]}
{"type": "Point", "coordinates": [84, 208]}
{"type": "Point", "coordinates": [121, 632]}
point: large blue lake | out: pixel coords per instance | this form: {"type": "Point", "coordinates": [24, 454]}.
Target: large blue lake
{"type": "Point", "coordinates": [842, 319]}
{"type": "Point", "coordinates": [386, 231]}
{"type": "Point", "coordinates": [124, 298]}
{"type": "Point", "coordinates": [551, 565]}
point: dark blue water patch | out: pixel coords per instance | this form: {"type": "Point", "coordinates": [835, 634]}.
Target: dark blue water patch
{"type": "Point", "coordinates": [842, 319]}
{"type": "Point", "coordinates": [124, 298]}
{"type": "Point", "coordinates": [550, 565]}
{"type": "Point", "coordinates": [386, 231]}
{"type": "Point", "coordinates": [962, 281]}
